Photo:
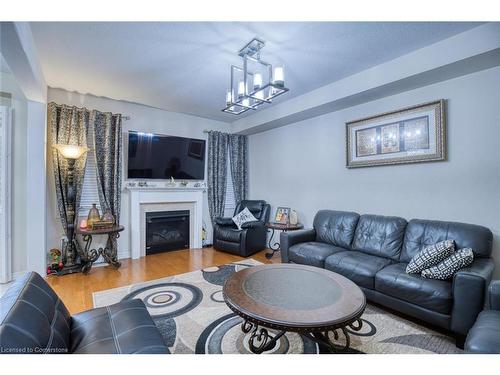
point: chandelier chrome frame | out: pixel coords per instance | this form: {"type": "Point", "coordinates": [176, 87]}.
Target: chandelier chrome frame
{"type": "Point", "coordinates": [250, 98]}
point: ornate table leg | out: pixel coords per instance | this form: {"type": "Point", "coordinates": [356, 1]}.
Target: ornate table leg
{"type": "Point", "coordinates": [88, 255]}
{"type": "Point", "coordinates": [325, 338]}
{"type": "Point", "coordinates": [110, 252]}
{"type": "Point", "coordinates": [274, 247]}
{"type": "Point", "coordinates": [260, 338]}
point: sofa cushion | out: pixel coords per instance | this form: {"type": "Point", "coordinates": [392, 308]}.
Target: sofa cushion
{"type": "Point", "coordinates": [430, 256]}
{"type": "Point", "coordinates": [312, 253]}
{"type": "Point", "coordinates": [358, 267]}
{"type": "Point", "coordinates": [422, 233]}
{"type": "Point", "coordinates": [123, 328]}
{"type": "Point", "coordinates": [335, 227]}
{"type": "Point", "coordinates": [243, 217]}
{"type": "Point", "coordinates": [33, 319]}
{"type": "Point", "coordinates": [435, 295]}
{"type": "Point", "coordinates": [451, 265]}
{"type": "Point", "coordinates": [380, 235]}
{"type": "Point", "coordinates": [484, 336]}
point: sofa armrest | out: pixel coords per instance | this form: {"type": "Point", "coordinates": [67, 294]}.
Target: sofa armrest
{"type": "Point", "coordinates": [288, 239]}
{"type": "Point", "coordinates": [225, 221]}
{"type": "Point", "coordinates": [253, 224]}
{"type": "Point", "coordinates": [469, 290]}
{"type": "Point", "coordinates": [494, 295]}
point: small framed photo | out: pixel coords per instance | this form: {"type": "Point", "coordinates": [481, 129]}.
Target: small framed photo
{"type": "Point", "coordinates": [282, 215]}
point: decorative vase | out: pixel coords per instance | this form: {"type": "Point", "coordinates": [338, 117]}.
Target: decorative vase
{"type": "Point", "coordinates": [93, 216]}
{"type": "Point", "coordinates": [108, 217]}
{"type": "Point", "coordinates": [293, 217]}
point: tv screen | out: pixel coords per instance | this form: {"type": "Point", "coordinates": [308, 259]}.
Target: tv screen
{"type": "Point", "coordinates": [155, 156]}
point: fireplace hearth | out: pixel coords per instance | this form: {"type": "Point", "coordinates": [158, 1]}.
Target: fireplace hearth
{"type": "Point", "coordinates": [167, 231]}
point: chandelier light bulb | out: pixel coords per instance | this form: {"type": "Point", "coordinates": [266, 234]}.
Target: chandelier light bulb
{"type": "Point", "coordinates": [246, 102]}
{"type": "Point", "coordinates": [257, 81]}
{"type": "Point", "coordinates": [260, 94]}
{"type": "Point", "coordinates": [241, 89]}
{"type": "Point", "coordinates": [229, 97]}
{"type": "Point", "coordinates": [279, 76]}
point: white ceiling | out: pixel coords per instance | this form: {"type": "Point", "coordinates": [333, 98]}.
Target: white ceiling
{"type": "Point", "coordinates": [184, 66]}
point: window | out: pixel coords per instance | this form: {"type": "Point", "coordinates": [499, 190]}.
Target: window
{"type": "Point", "coordinates": [230, 202]}
{"type": "Point", "coordinates": [90, 193]}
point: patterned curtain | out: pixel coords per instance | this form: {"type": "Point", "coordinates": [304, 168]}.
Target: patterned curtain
{"type": "Point", "coordinates": [67, 125]}
{"type": "Point", "coordinates": [238, 148]}
{"type": "Point", "coordinates": [217, 169]}
{"type": "Point", "coordinates": [108, 157]}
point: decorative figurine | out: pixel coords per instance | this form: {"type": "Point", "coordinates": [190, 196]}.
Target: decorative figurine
{"type": "Point", "coordinates": [56, 263]}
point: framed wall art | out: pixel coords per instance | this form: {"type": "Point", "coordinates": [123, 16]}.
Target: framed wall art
{"type": "Point", "coordinates": [410, 135]}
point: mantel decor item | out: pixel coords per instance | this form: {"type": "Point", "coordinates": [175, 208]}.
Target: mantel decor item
{"type": "Point", "coordinates": [409, 135]}
{"type": "Point", "coordinates": [71, 153]}
{"type": "Point", "coordinates": [255, 83]}
{"type": "Point", "coordinates": [282, 215]}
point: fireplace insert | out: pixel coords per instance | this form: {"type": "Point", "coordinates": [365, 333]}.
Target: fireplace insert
{"type": "Point", "coordinates": [167, 231]}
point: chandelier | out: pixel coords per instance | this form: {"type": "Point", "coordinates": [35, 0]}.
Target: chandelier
{"type": "Point", "coordinates": [254, 84]}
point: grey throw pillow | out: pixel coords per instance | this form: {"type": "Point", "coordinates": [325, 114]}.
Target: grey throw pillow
{"type": "Point", "coordinates": [430, 256]}
{"type": "Point", "coordinates": [243, 217]}
{"type": "Point", "coordinates": [448, 267]}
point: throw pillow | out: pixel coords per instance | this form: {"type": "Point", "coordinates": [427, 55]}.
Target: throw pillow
{"type": "Point", "coordinates": [243, 217]}
{"type": "Point", "coordinates": [430, 256]}
{"type": "Point", "coordinates": [448, 267]}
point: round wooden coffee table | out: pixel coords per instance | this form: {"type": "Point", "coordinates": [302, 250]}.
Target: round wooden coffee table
{"type": "Point", "coordinates": [311, 301]}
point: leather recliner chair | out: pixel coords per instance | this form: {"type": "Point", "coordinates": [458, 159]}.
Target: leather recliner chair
{"type": "Point", "coordinates": [251, 238]}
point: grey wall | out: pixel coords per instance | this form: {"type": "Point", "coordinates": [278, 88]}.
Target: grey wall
{"type": "Point", "coordinates": [142, 118]}
{"type": "Point", "coordinates": [302, 165]}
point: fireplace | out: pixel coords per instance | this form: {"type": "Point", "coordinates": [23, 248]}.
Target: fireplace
{"type": "Point", "coordinates": [167, 231]}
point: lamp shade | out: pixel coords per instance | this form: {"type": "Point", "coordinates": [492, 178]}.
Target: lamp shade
{"type": "Point", "coordinates": [71, 151]}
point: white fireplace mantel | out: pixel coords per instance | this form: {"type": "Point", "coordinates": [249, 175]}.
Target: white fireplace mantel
{"type": "Point", "coordinates": [153, 198]}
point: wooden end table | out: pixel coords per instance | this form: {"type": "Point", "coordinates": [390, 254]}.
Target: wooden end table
{"type": "Point", "coordinates": [109, 252]}
{"type": "Point", "coordinates": [282, 227]}
{"type": "Point", "coordinates": [316, 303]}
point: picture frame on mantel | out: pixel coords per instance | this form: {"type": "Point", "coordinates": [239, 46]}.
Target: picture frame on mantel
{"type": "Point", "coordinates": [410, 135]}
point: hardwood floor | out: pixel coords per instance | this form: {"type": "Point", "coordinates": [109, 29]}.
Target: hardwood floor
{"type": "Point", "coordinates": [76, 290]}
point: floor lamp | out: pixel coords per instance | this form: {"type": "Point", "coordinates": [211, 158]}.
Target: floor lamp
{"type": "Point", "coordinates": [71, 153]}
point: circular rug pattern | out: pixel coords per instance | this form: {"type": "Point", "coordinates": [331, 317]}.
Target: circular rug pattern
{"type": "Point", "coordinates": [224, 336]}
{"type": "Point", "coordinates": [168, 300]}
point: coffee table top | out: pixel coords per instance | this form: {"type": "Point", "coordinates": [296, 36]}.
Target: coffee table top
{"type": "Point", "coordinates": [293, 296]}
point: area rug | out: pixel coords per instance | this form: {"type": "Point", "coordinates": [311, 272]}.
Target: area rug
{"type": "Point", "coordinates": [191, 314]}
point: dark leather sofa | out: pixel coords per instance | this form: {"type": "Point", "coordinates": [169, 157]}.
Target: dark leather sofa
{"type": "Point", "coordinates": [484, 336]}
{"type": "Point", "coordinates": [251, 238]}
{"type": "Point", "coordinates": [373, 251]}
{"type": "Point", "coordinates": [34, 320]}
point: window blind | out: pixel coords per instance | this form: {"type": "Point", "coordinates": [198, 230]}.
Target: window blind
{"type": "Point", "coordinates": [230, 202]}
{"type": "Point", "coordinates": [90, 193]}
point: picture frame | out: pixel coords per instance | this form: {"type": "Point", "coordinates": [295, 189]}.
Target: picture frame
{"type": "Point", "coordinates": [282, 215]}
{"type": "Point", "coordinates": [409, 135]}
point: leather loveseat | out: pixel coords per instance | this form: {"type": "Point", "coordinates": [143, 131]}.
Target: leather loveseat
{"type": "Point", "coordinates": [34, 320]}
{"type": "Point", "coordinates": [373, 251]}
{"type": "Point", "coordinates": [252, 236]}
{"type": "Point", "coordinates": [484, 336]}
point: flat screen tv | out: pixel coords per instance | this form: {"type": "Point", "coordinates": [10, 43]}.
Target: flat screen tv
{"type": "Point", "coordinates": [155, 156]}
